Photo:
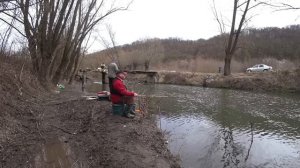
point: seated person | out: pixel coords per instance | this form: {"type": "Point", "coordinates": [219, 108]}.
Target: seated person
{"type": "Point", "coordinates": [120, 94]}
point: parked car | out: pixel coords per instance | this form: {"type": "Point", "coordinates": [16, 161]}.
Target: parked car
{"type": "Point", "coordinates": [259, 68]}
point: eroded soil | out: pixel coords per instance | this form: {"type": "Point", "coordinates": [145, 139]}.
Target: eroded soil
{"type": "Point", "coordinates": [42, 129]}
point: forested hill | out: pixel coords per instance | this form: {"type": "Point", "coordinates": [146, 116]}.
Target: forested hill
{"type": "Point", "coordinates": [280, 43]}
{"type": "Point", "coordinates": [271, 42]}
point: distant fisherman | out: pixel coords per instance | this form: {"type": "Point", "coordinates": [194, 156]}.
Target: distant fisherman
{"type": "Point", "coordinates": [103, 71]}
{"type": "Point", "coordinates": [112, 70]}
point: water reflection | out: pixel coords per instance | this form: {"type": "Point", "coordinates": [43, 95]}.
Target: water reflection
{"type": "Point", "coordinates": [228, 128]}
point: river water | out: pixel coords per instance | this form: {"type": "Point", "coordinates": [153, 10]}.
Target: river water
{"type": "Point", "coordinates": [213, 128]}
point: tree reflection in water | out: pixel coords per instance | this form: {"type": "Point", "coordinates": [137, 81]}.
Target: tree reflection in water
{"type": "Point", "coordinates": [234, 154]}
{"type": "Point", "coordinates": [231, 152]}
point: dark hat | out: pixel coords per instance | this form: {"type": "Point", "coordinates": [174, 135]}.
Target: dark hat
{"type": "Point", "coordinates": [118, 72]}
{"type": "Point", "coordinates": [122, 71]}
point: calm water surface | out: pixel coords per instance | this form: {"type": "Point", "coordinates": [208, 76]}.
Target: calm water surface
{"type": "Point", "coordinates": [228, 128]}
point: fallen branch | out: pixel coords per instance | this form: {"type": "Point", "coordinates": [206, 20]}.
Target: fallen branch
{"type": "Point", "coordinates": [63, 130]}
{"type": "Point", "coordinates": [20, 80]}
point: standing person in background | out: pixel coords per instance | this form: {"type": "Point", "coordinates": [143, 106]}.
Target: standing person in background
{"type": "Point", "coordinates": [103, 72]}
{"type": "Point", "coordinates": [112, 70]}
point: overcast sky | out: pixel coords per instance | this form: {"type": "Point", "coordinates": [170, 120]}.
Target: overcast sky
{"type": "Point", "coordinates": [184, 19]}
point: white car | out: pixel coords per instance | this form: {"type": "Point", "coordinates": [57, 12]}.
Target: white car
{"type": "Point", "coordinates": [259, 68]}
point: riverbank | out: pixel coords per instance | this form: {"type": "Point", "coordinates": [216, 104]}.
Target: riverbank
{"type": "Point", "coordinates": [42, 129]}
{"type": "Point", "coordinates": [268, 81]}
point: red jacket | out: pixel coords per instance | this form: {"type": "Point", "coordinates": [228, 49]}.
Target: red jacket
{"type": "Point", "coordinates": [119, 90]}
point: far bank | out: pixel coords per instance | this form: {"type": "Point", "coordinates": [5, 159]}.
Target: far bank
{"type": "Point", "coordinates": [286, 81]}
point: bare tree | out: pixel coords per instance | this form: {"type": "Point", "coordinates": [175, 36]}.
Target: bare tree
{"type": "Point", "coordinates": [150, 50]}
{"type": "Point", "coordinates": [132, 59]}
{"type": "Point", "coordinates": [55, 31]}
{"type": "Point", "coordinates": [111, 46]}
{"type": "Point", "coordinates": [239, 13]}
{"type": "Point", "coordinates": [234, 33]}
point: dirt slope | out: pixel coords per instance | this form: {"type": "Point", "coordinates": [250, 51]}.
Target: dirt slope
{"type": "Point", "coordinates": [42, 129]}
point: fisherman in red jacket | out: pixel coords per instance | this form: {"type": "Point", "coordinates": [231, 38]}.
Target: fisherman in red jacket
{"type": "Point", "coordinates": [120, 94]}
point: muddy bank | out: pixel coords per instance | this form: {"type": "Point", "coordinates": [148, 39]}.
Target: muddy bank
{"type": "Point", "coordinates": [42, 129]}
{"type": "Point", "coordinates": [96, 138]}
{"type": "Point", "coordinates": [270, 81]}
{"type": "Point", "coordinates": [267, 81]}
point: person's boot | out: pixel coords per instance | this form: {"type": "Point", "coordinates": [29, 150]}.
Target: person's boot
{"type": "Point", "coordinates": [128, 115]}
{"type": "Point", "coordinates": [132, 109]}
{"type": "Point", "coordinates": [127, 112]}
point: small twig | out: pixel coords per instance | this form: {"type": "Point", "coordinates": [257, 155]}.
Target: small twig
{"type": "Point", "coordinates": [73, 165]}
{"type": "Point", "coordinates": [159, 117]}
{"type": "Point", "coordinates": [1, 147]}
{"type": "Point", "coordinates": [60, 164]}
{"type": "Point", "coordinates": [20, 80]}
{"type": "Point", "coordinates": [139, 102]}
{"type": "Point", "coordinates": [38, 119]}
{"type": "Point", "coordinates": [37, 127]}
{"type": "Point", "coordinates": [63, 130]}
{"type": "Point", "coordinates": [20, 76]}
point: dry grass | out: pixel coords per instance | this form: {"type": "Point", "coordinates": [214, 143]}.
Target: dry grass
{"type": "Point", "coordinates": [198, 64]}
{"type": "Point", "coordinates": [212, 65]}
{"type": "Point", "coordinates": [269, 81]}
{"type": "Point", "coordinates": [185, 78]}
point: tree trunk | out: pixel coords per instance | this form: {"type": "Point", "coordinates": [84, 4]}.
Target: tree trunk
{"type": "Point", "coordinates": [43, 74]}
{"type": "Point", "coordinates": [147, 65]}
{"type": "Point", "coordinates": [227, 68]}
{"type": "Point", "coordinates": [134, 66]}
{"type": "Point", "coordinates": [75, 67]}
{"type": "Point", "coordinates": [73, 61]}
{"type": "Point", "coordinates": [62, 66]}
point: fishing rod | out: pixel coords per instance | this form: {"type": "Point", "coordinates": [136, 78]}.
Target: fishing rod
{"type": "Point", "coordinates": [158, 96]}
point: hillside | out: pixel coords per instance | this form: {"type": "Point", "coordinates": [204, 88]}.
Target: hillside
{"type": "Point", "coordinates": [278, 47]}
